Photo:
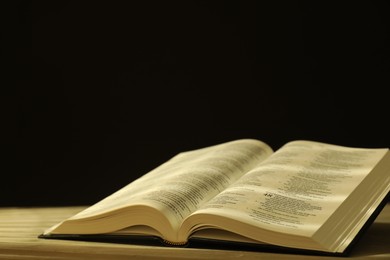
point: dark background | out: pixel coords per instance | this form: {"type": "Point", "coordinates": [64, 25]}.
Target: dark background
{"type": "Point", "coordinates": [97, 93]}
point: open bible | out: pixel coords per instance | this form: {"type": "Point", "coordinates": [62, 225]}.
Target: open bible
{"type": "Point", "coordinates": [306, 195]}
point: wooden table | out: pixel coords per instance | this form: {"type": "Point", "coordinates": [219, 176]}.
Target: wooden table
{"type": "Point", "coordinates": [19, 228]}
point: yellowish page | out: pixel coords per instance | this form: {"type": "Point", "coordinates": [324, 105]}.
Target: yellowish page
{"type": "Point", "coordinates": [181, 185]}
{"type": "Point", "coordinates": [296, 189]}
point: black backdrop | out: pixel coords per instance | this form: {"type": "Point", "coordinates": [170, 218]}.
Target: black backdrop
{"type": "Point", "coordinates": [97, 93]}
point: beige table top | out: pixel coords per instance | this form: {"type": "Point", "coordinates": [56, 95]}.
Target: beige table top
{"type": "Point", "coordinates": [19, 228]}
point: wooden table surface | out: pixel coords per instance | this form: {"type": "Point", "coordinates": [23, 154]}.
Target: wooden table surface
{"type": "Point", "coordinates": [19, 228]}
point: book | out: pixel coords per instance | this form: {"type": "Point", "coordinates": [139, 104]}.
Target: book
{"type": "Point", "coordinates": [306, 196]}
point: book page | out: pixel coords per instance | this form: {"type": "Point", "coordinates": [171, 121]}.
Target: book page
{"type": "Point", "coordinates": [295, 190]}
{"type": "Point", "coordinates": [182, 184]}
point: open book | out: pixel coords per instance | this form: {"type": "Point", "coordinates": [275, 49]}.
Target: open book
{"type": "Point", "coordinates": [306, 195]}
